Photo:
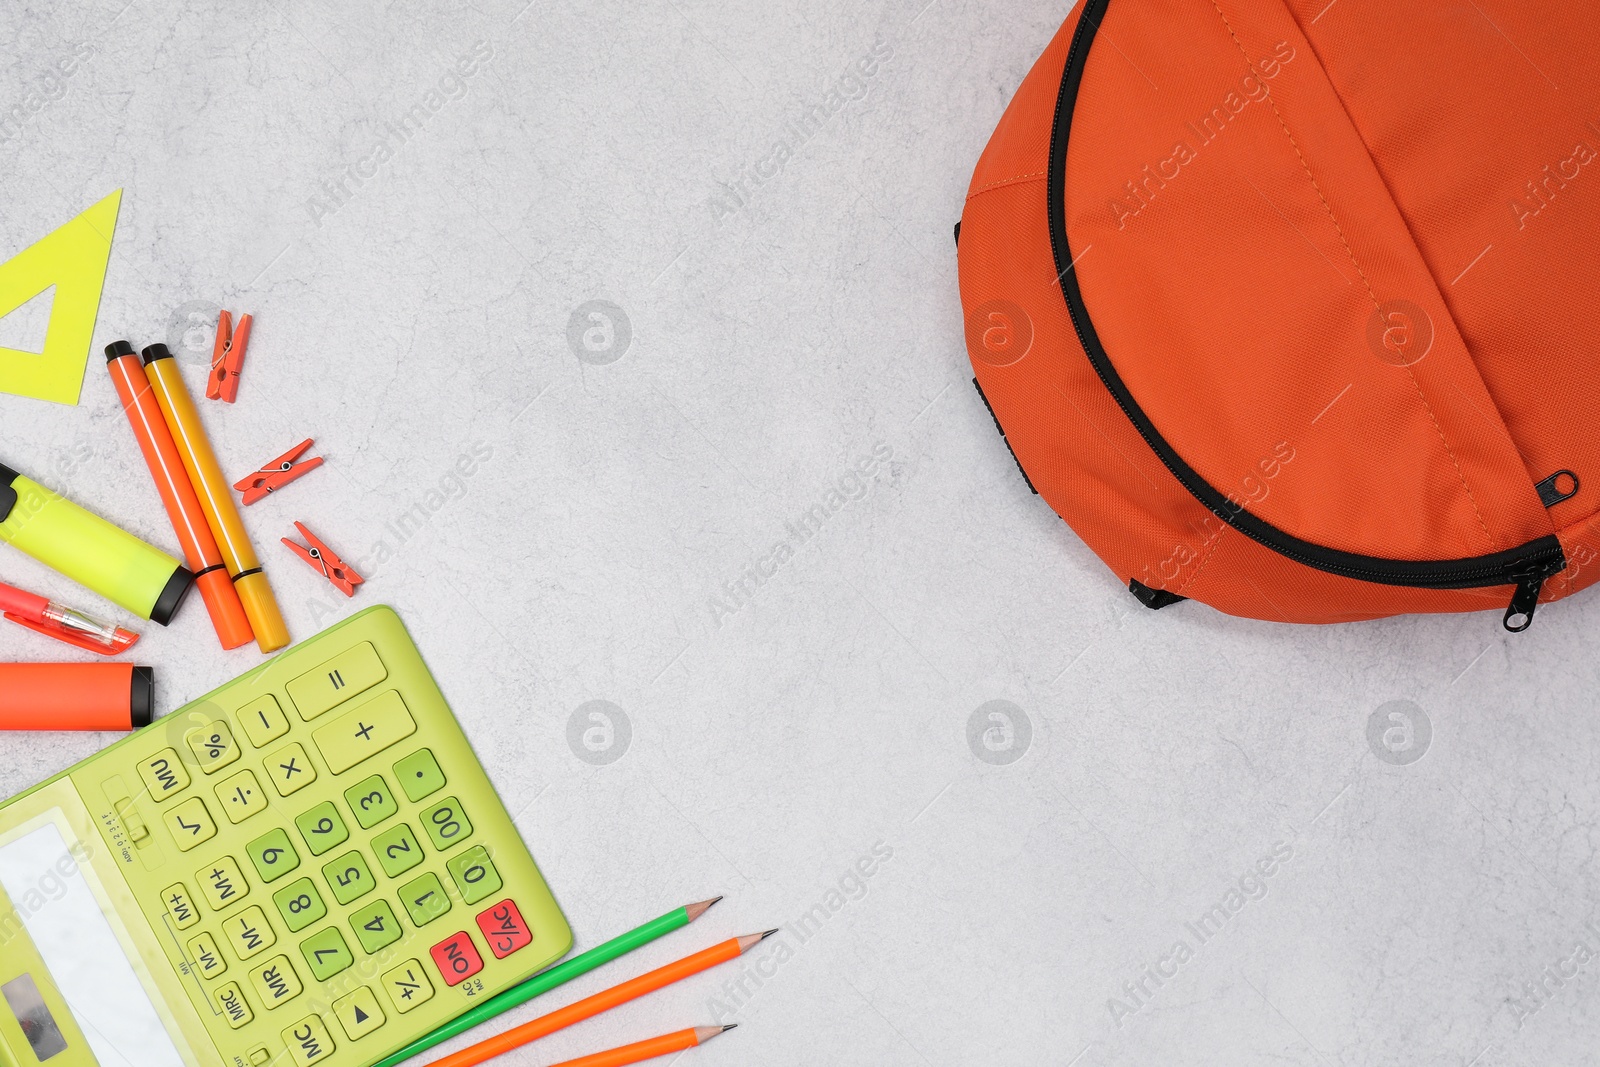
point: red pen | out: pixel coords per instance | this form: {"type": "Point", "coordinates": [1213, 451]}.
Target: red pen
{"type": "Point", "coordinates": [76, 628]}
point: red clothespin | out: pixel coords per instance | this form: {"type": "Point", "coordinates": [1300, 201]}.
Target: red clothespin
{"type": "Point", "coordinates": [277, 474]}
{"type": "Point", "coordinates": [227, 357]}
{"type": "Point", "coordinates": [326, 560]}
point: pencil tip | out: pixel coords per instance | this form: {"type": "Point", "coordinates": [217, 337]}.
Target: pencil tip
{"type": "Point", "coordinates": [730, 1026]}
{"type": "Point", "coordinates": [700, 908]}
{"type": "Point", "coordinates": [769, 933]}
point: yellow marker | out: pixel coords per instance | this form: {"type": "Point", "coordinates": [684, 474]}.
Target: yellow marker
{"type": "Point", "coordinates": [221, 514]}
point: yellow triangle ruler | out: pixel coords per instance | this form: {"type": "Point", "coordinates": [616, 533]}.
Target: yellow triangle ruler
{"type": "Point", "coordinates": [73, 259]}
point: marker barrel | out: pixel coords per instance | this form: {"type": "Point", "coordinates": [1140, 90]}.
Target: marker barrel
{"type": "Point", "coordinates": [89, 550]}
{"type": "Point", "coordinates": [177, 494]}
{"type": "Point", "coordinates": [76, 696]}
{"type": "Point", "coordinates": [189, 435]}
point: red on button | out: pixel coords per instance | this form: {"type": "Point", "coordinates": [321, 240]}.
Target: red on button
{"type": "Point", "coordinates": [457, 959]}
{"type": "Point", "coordinates": [504, 929]}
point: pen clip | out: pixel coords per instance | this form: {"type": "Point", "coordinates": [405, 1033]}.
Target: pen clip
{"type": "Point", "coordinates": [123, 640]}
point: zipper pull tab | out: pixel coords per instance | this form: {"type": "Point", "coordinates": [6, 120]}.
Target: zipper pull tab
{"type": "Point", "coordinates": [1519, 616]}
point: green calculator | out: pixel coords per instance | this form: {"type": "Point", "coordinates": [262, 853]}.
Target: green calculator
{"type": "Point", "coordinates": [306, 866]}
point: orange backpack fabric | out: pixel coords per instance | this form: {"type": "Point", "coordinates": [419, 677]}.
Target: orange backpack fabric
{"type": "Point", "coordinates": [1286, 306]}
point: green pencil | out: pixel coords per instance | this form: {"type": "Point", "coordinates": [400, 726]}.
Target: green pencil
{"type": "Point", "coordinates": [558, 975]}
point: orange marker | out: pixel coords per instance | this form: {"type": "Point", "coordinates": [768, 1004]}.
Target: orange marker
{"type": "Point", "coordinates": [639, 1051]}
{"type": "Point", "coordinates": [183, 507]}
{"type": "Point", "coordinates": [200, 463]}
{"type": "Point", "coordinates": [76, 696]}
{"type": "Point", "coordinates": [562, 1018]}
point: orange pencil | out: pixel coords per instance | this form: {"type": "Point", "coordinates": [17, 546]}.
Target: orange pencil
{"type": "Point", "coordinates": [200, 550]}
{"type": "Point", "coordinates": [640, 1051]}
{"type": "Point", "coordinates": [545, 1025]}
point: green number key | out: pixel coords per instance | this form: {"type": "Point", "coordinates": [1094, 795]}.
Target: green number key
{"type": "Point", "coordinates": [475, 874]}
{"type": "Point", "coordinates": [326, 953]}
{"type": "Point", "coordinates": [398, 850]}
{"type": "Point", "coordinates": [375, 925]}
{"type": "Point", "coordinates": [274, 855]}
{"type": "Point", "coordinates": [371, 801]}
{"type": "Point", "coordinates": [322, 828]}
{"type": "Point", "coordinates": [446, 823]}
{"type": "Point", "coordinates": [300, 904]}
{"type": "Point", "coordinates": [349, 877]}
{"type": "Point", "coordinates": [424, 899]}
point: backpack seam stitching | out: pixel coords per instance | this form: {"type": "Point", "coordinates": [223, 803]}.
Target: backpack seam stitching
{"type": "Point", "coordinates": [1365, 281]}
{"type": "Point", "coordinates": [1007, 181]}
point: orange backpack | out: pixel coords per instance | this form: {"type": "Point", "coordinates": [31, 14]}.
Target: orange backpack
{"type": "Point", "coordinates": [1286, 306]}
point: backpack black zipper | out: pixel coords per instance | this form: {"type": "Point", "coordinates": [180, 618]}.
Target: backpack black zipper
{"type": "Point", "coordinates": [1527, 567]}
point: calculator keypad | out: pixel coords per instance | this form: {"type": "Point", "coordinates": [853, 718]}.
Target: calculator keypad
{"type": "Point", "coordinates": [342, 873]}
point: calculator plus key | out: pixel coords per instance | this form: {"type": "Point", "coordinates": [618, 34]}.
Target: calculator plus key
{"type": "Point", "coordinates": [364, 731]}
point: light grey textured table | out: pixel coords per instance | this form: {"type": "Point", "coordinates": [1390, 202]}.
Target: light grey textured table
{"type": "Point", "coordinates": [798, 710]}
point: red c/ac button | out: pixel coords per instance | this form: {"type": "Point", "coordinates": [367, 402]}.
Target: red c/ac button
{"type": "Point", "coordinates": [504, 929]}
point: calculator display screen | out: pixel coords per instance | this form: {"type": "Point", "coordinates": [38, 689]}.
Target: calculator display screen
{"type": "Point", "coordinates": [86, 964]}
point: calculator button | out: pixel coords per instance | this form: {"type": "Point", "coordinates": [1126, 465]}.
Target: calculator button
{"type": "Point", "coordinates": [308, 1041]}
{"type": "Point", "coordinates": [358, 1014]}
{"type": "Point", "coordinates": [263, 721]}
{"type": "Point", "coordinates": [164, 775]}
{"type": "Point", "coordinates": [249, 934]}
{"type": "Point", "coordinates": [222, 884]}
{"type": "Point", "coordinates": [419, 775]}
{"type": "Point", "coordinates": [213, 746]}
{"type": "Point", "coordinates": [300, 904]}
{"type": "Point", "coordinates": [273, 855]}
{"type": "Point", "coordinates": [457, 959]}
{"type": "Point", "coordinates": [407, 986]}
{"type": "Point", "coordinates": [504, 929]}
{"type": "Point", "coordinates": [290, 770]}
{"type": "Point", "coordinates": [322, 828]}
{"type": "Point", "coordinates": [349, 877]}
{"type": "Point", "coordinates": [180, 909]}
{"type": "Point", "coordinates": [275, 981]}
{"type": "Point", "coordinates": [231, 1003]}
{"type": "Point", "coordinates": [475, 875]}
{"type": "Point", "coordinates": [424, 899]}
{"type": "Point", "coordinates": [241, 796]}
{"type": "Point", "coordinates": [350, 672]}
{"type": "Point", "coordinates": [190, 824]}
{"type": "Point", "coordinates": [375, 926]}
{"type": "Point", "coordinates": [371, 802]}
{"type": "Point", "coordinates": [207, 960]}
{"type": "Point", "coordinates": [259, 1056]}
{"type": "Point", "coordinates": [397, 849]}
{"type": "Point", "coordinates": [446, 824]}
{"type": "Point", "coordinates": [365, 731]}
{"type": "Point", "coordinates": [326, 953]}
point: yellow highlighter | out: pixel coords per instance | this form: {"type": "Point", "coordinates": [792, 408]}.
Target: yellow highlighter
{"type": "Point", "coordinates": [223, 517]}
{"type": "Point", "coordinates": [89, 550]}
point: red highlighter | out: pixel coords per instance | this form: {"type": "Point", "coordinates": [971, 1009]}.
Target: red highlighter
{"type": "Point", "coordinates": [76, 628]}
{"type": "Point", "coordinates": [76, 696]}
